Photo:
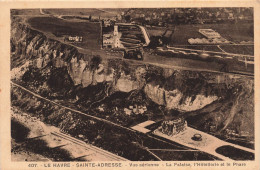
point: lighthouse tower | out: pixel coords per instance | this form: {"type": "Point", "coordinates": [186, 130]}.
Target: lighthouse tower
{"type": "Point", "coordinates": [115, 30]}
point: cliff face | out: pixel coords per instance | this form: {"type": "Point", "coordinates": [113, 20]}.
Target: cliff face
{"type": "Point", "coordinates": [172, 99]}
{"type": "Point", "coordinates": [55, 69]}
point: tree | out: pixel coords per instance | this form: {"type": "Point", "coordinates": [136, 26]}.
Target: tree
{"type": "Point", "coordinates": [95, 61]}
{"type": "Point", "coordinates": [127, 18]}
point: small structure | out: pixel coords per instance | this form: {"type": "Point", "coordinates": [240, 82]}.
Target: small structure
{"type": "Point", "coordinates": [126, 36]}
{"type": "Point", "coordinates": [212, 37]}
{"type": "Point", "coordinates": [209, 33]}
{"type": "Point", "coordinates": [173, 127]}
{"type": "Point", "coordinates": [112, 40]}
{"type": "Point", "coordinates": [197, 137]}
{"type": "Point", "coordinates": [220, 40]}
{"type": "Point", "coordinates": [108, 41]}
{"type": "Point", "coordinates": [75, 38]}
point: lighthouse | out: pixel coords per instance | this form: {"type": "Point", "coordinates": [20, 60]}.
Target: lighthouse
{"type": "Point", "coordinates": [115, 30]}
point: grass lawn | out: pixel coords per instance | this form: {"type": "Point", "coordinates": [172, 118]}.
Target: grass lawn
{"type": "Point", "coordinates": [239, 49]}
{"type": "Point", "coordinates": [232, 32]}
{"type": "Point", "coordinates": [90, 31]}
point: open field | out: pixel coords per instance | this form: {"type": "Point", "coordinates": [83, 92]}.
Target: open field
{"type": "Point", "coordinates": [233, 32]}
{"type": "Point", "coordinates": [26, 12]}
{"type": "Point", "coordinates": [90, 31]}
{"type": "Point", "coordinates": [239, 49]}
{"type": "Point", "coordinates": [104, 13]}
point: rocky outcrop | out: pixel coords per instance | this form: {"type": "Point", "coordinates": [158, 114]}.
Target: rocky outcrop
{"type": "Point", "coordinates": [172, 99]}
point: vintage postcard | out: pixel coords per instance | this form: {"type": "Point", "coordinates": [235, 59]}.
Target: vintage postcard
{"type": "Point", "coordinates": [129, 85]}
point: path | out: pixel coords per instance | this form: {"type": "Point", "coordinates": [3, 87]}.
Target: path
{"type": "Point", "coordinates": [54, 139]}
{"type": "Point", "coordinates": [208, 144]}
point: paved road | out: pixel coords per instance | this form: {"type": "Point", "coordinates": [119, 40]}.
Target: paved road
{"type": "Point", "coordinates": [195, 65]}
{"type": "Point", "coordinates": [221, 49]}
